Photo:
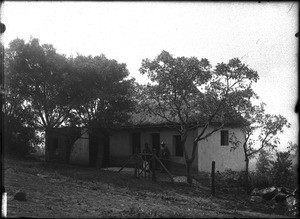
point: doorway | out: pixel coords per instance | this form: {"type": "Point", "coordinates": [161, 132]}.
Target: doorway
{"type": "Point", "coordinates": [155, 137]}
{"type": "Point", "coordinates": [93, 149]}
{"type": "Point", "coordinates": [136, 142]}
{"type": "Point", "coordinates": [105, 162]}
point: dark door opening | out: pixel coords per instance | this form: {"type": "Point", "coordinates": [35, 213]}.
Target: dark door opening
{"type": "Point", "coordinates": [155, 137]}
{"type": "Point", "coordinates": [136, 142]}
{"type": "Point", "coordinates": [177, 143]}
{"type": "Point", "coordinates": [93, 149]}
{"type": "Point", "coordinates": [105, 162]}
{"type": "Point", "coordinates": [156, 142]}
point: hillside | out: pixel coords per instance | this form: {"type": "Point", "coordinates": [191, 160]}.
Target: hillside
{"type": "Point", "coordinates": [57, 190]}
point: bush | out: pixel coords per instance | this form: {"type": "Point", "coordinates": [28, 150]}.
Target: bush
{"type": "Point", "coordinates": [260, 181]}
{"type": "Point", "coordinates": [279, 172]}
{"type": "Point", "coordinates": [18, 139]}
{"type": "Point", "coordinates": [231, 178]}
{"type": "Point", "coordinates": [282, 170]}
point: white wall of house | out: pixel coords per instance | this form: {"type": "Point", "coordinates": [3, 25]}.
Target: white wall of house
{"type": "Point", "coordinates": [211, 150]}
{"type": "Point", "coordinates": [80, 151]}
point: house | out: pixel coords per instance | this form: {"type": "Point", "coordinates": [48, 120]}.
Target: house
{"type": "Point", "coordinates": [95, 149]}
{"type": "Point", "coordinates": [76, 145]}
{"type": "Point", "coordinates": [124, 141]}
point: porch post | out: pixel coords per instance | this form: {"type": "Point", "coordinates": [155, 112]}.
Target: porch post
{"type": "Point", "coordinates": [153, 165]}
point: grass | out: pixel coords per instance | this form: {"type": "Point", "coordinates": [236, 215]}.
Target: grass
{"type": "Point", "coordinates": [60, 190]}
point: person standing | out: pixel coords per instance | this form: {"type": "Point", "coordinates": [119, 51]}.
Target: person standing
{"type": "Point", "coordinates": [165, 155]}
{"type": "Point", "coordinates": [146, 158]}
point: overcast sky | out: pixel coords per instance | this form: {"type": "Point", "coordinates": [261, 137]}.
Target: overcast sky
{"type": "Point", "coordinates": [262, 35]}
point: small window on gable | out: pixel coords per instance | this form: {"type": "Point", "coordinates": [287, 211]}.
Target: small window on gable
{"type": "Point", "coordinates": [224, 138]}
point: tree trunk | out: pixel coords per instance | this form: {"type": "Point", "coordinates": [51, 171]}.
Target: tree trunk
{"type": "Point", "coordinates": [188, 173]}
{"type": "Point", "coordinates": [188, 162]}
{"type": "Point", "coordinates": [47, 144]}
{"type": "Point", "coordinates": [247, 175]}
{"type": "Point", "coordinates": [246, 166]}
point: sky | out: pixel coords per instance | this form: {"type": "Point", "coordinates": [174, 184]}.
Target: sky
{"type": "Point", "coordinates": [261, 35]}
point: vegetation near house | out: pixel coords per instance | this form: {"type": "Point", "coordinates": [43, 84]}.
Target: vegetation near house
{"type": "Point", "coordinates": [262, 130]}
{"type": "Point", "coordinates": [275, 169]}
{"type": "Point", "coordinates": [187, 92]}
{"type": "Point", "coordinates": [46, 90]}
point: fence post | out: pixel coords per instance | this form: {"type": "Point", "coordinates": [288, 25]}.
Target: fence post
{"type": "Point", "coordinates": [213, 166]}
{"type": "Point", "coordinates": [153, 164]}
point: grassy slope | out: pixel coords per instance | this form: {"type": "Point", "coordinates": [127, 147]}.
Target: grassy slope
{"type": "Point", "coordinates": [56, 190]}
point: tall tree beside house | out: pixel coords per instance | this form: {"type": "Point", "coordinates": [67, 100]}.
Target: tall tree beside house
{"type": "Point", "coordinates": [261, 133]}
{"type": "Point", "coordinates": [104, 92]}
{"type": "Point", "coordinates": [82, 91]}
{"type": "Point", "coordinates": [19, 124]}
{"type": "Point", "coordinates": [36, 75]}
{"type": "Point", "coordinates": [104, 95]}
{"type": "Point", "coordinates": [187, 93]}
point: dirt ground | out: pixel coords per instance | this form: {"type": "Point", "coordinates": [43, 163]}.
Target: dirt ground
{"type": "Point", "coordinates": [58, 190]}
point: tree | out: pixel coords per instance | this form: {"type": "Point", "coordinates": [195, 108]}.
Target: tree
{"type": "Point", "coordinates": [103, 95]}
{"type": "Point", "coordinates": [293, 148]}
{"type": "Point", "coordinates": [263, 165]}
{"type": "Point", "coordinates": [261, 133]}
{"type": "Point", "coordinates": [282, 169]}
{"type": "Point", "coordinates": [36, 76]}
{"type": "Point", "coordinates": [103, 92]}
{"type": "Point", "coordinates": [263, 176]}
{"type": "Point", "coordinates": [19, 139]}
{"type": "Point", "coordinates": [187, 94]}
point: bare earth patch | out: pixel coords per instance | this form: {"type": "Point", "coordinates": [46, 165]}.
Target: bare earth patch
{"type": "Point", "coordinates": [58, 190]}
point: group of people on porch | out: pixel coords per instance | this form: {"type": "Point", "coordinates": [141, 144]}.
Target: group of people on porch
{"type": "Point", "coordinates": [164, 156]}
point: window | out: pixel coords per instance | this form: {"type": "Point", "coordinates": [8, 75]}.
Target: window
{"type": "Point", "coordinates": [224, 138]}
{"type": "Point", "coordinates": [177, 145]}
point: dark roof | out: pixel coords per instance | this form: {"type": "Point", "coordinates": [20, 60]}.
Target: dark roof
{"type": "Point", "coordinates": [146, 120]}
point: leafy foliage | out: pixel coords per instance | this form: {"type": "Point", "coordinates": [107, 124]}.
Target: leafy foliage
{"type": "Point", "coordinates": [263, 165]}
{"type": "Point", "coordinates": [187, 93]}
{"type": "Point", "coordinates": [282, 169]}
{"type": "Point", "coordinates": [48, 90]}
{"type": "Point", "coordinates": [261, 133]}
{"type": "Point", "coordinates": [35, 76]}
{"type": "Point", "coordinates": [103, 92]}
{"type": "Point", "coordinates": [278, 171]}
{"type": "Point", "coordinates": [19, 132]}
{"type": "Point", "coordinates": [263, 176]}
{"type": "Point", "coordinates": [268, 126]}
{"type": "Point", "coordinates": [230, 178]}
